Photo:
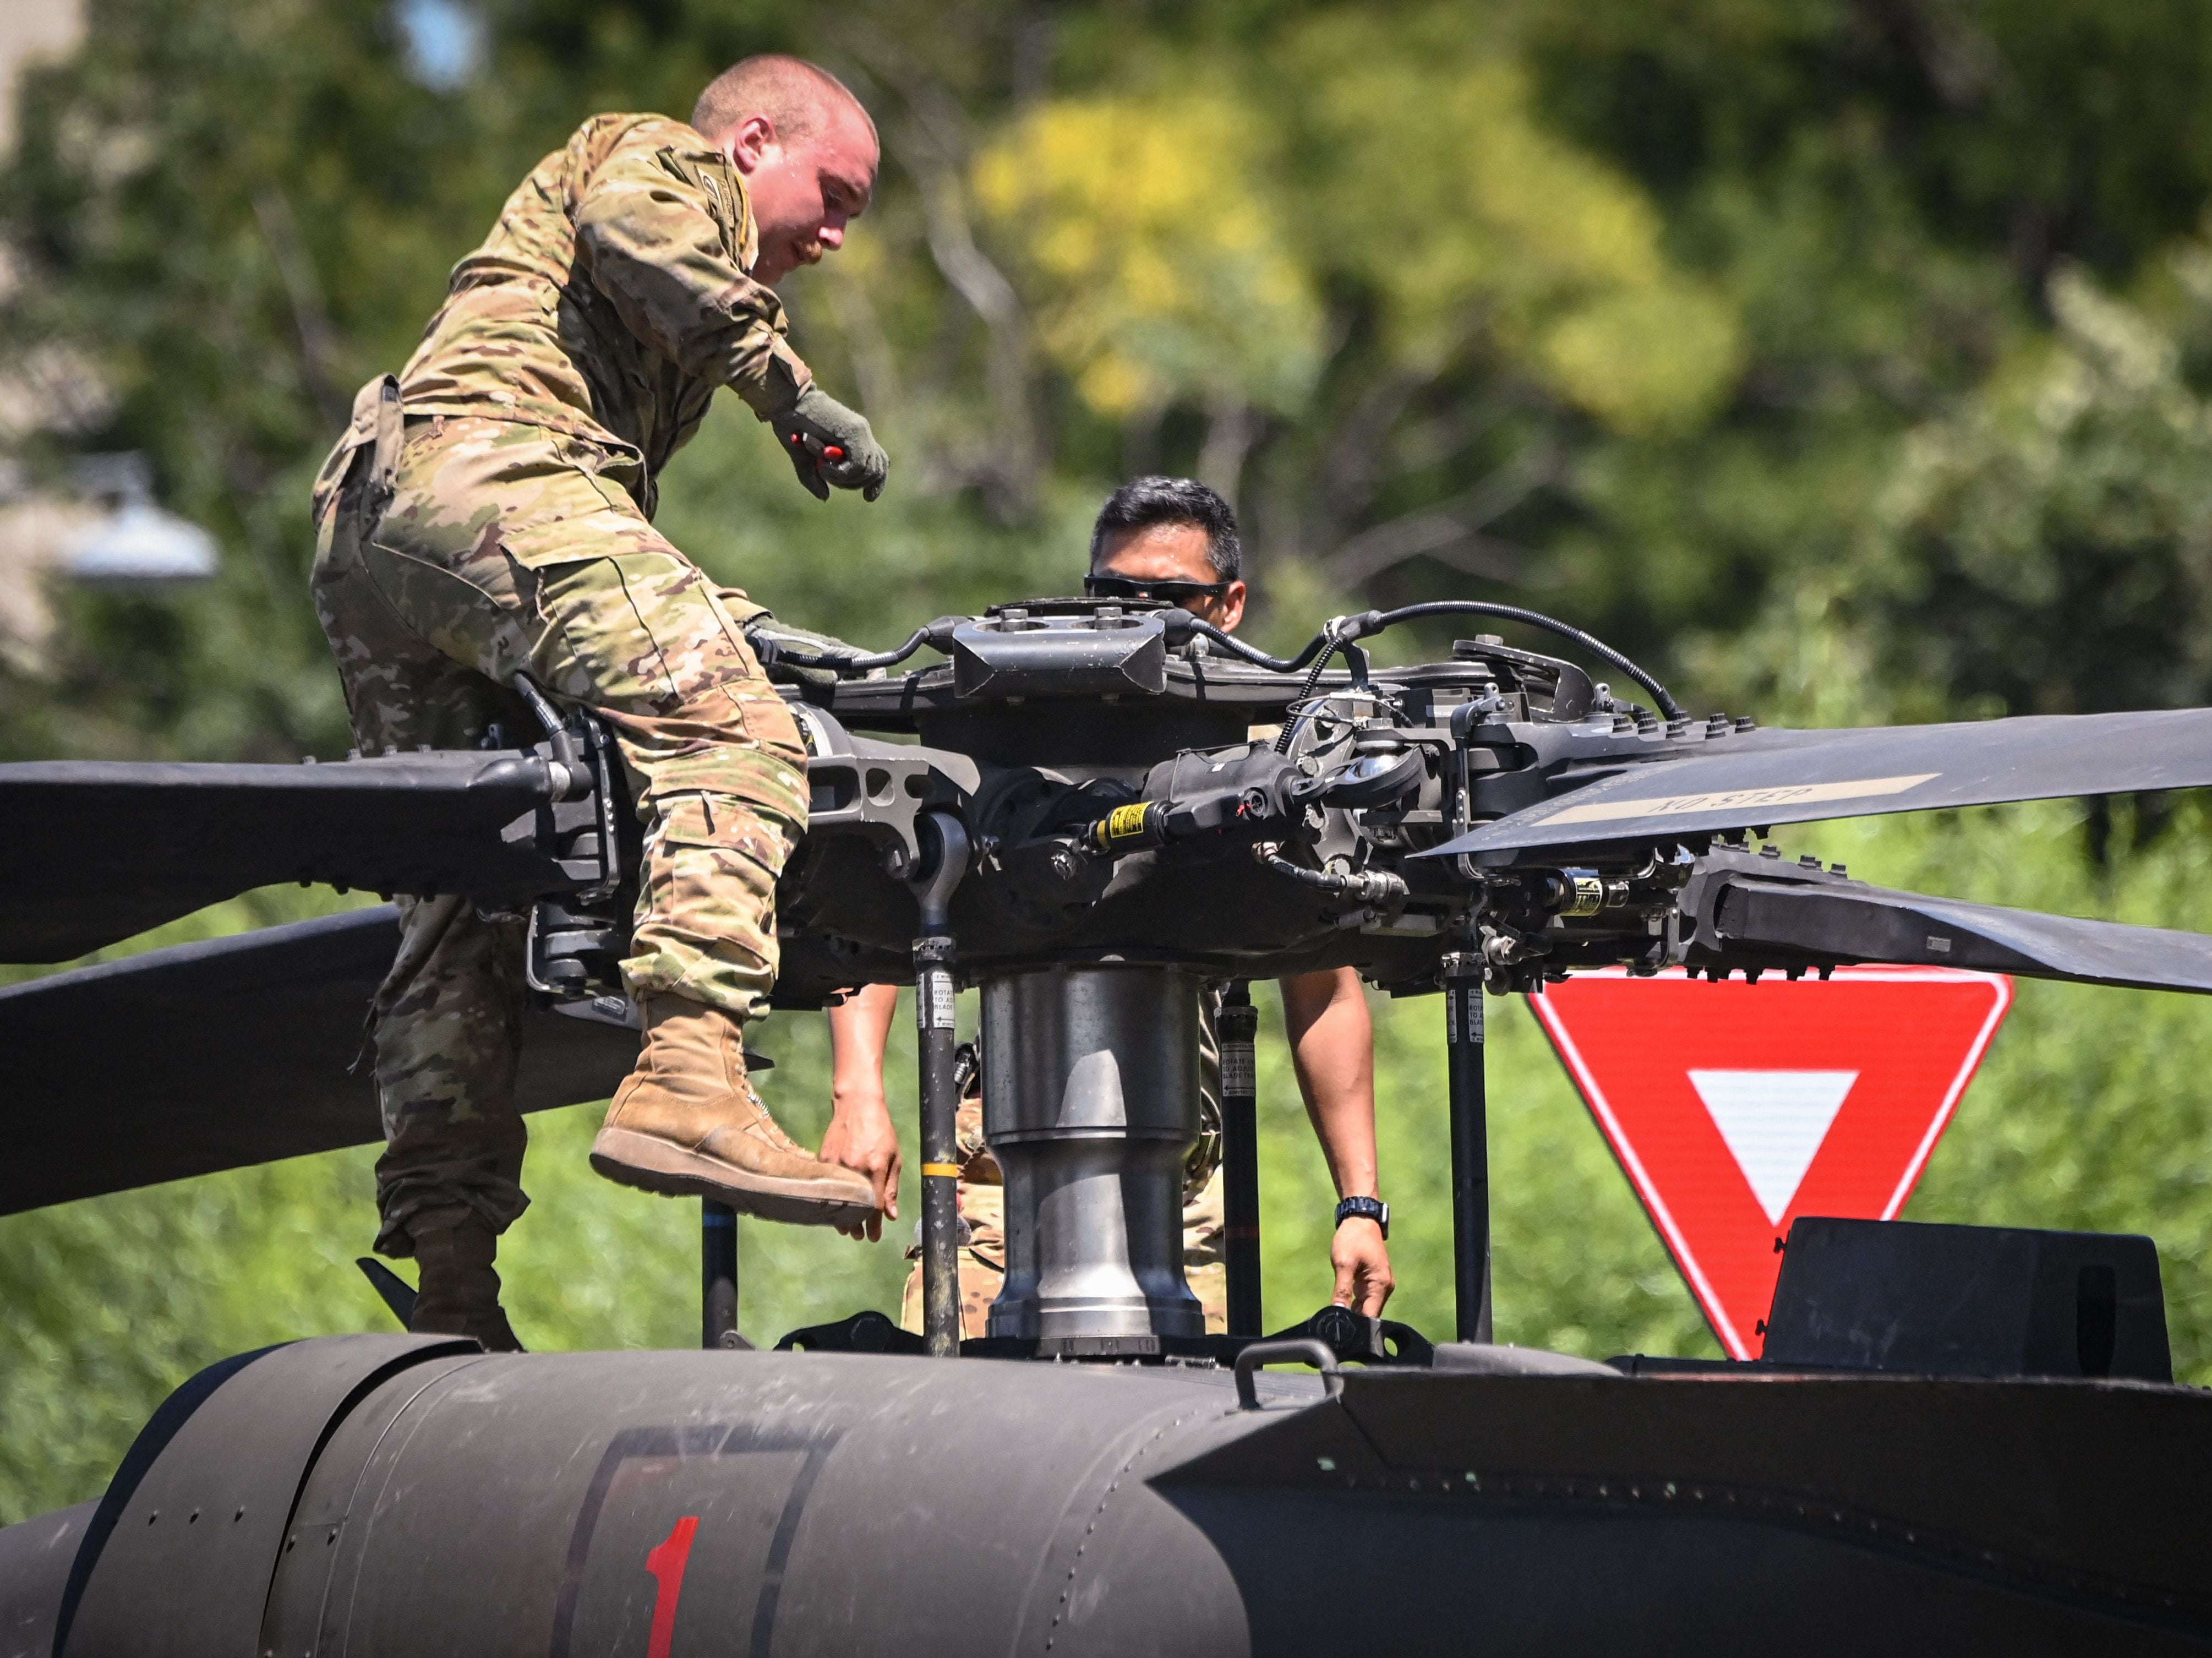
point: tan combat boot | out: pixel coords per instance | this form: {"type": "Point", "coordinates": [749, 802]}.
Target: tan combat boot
{"type": "Point", "coordinates": [459, 1292]}
{"type": "Point", "coordinates": [687, 1122]}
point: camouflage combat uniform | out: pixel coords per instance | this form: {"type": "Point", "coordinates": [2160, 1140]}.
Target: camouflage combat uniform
{"type": "Point", "coordinates": [982, 1208]}
{"type": "Point", "coordinates": [490, 511]}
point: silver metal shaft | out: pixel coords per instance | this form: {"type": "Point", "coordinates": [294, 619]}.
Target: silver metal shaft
{"type": "Point", "coordinates": [1090, 1101]}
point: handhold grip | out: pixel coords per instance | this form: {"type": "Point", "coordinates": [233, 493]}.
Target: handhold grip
{"type": "Point", "coordinates": [1305, 1351]}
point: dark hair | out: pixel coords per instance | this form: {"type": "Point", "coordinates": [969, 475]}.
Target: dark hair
{"type": "Point", "coordinates": [1143, 502]}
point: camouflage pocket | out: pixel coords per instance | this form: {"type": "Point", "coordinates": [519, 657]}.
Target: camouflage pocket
{"type": "Point", "coordinates": [453, 615]}
{"type": "Point", "coordinates": [727, 825]}
{"type": "Point", "coordinates": [359, 434]}
{"type": "Point", "coordinates": [332, 479]}
{"type": "Point", "coordinates": [706, 907]}
{"type": "Point", "coordinates": [638, 631]}
{"type": "Point", "coordinates": [640, 638]}
{"type": "Point", "coordinates": [615, 469]}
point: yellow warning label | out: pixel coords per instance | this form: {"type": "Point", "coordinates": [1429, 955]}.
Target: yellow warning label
{"type": "Point", "coordinates": [1589, 896]}
{"type": "Point", "coordinates": [1127, 823]}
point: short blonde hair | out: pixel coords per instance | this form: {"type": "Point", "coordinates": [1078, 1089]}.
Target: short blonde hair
{"type": "Point", "coordinates": [790, 92]}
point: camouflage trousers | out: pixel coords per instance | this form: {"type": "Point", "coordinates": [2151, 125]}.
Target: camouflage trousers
{"type": "Point", "coordinates": [452, 553]}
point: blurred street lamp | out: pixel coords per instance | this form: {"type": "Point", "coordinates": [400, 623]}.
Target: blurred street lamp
{"type": "Point", "coordinates": [138, 546]}
{"type": "Point", "coordinates": [445, 42]}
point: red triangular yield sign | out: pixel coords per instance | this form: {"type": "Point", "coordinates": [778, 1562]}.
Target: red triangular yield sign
{"type": "Point", "coordinates": [1734, 1107]}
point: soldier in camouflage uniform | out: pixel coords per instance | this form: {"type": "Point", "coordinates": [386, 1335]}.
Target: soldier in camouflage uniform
{"type": "Point", "coordinates": [1170, 539]}
{"type": "Point", "coordinates": [488, 514]}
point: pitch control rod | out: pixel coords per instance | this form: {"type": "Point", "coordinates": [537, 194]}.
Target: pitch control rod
{"type": "Point", "coordinates": [1240, 1157]}
{"type": "Point", "coordinates": [1470, 1140]}
{"type": "Point", "coordinates": [718, 1275]}
{"type": "Point", "coordinates": [934, 988]}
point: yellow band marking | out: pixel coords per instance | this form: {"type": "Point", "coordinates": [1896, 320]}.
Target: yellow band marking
{"type": "Point", "coordinates": [1675, 805]}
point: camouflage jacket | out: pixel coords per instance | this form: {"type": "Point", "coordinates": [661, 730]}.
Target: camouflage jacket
{"type": "Point", "coordinates": [611, 299]}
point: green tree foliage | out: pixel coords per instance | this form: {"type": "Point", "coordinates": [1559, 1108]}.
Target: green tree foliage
{"type": "Point", "coordinates": [2046, 547]}
{"type": "Point", "coordinates": [1845, 360]}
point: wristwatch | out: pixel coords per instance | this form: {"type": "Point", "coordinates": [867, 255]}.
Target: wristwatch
{"type": "Point", "coordinates": [1372, 1209]}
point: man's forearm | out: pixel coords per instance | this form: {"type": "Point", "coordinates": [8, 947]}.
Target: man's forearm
{"type": "Point", "coordinates": [860, 1030]}
{"type": "Point", "coordinates": [1333, 1049]}
{"type": "Point", "coordinates": [860, 1135]}
{"type": "Point", "coordinates": [1333, 1046]}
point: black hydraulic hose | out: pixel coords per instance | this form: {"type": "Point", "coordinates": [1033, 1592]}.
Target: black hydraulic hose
{"type": "Point", "coordinates": [557, 734]}
{"type": "Point", "coordinates": [1253, 653]}
{"type": "Point", "coordinates": [1312, 878]}
{"type": "Point", "coordinates": [571, 778]}
{"type": "Point", "coordinates": [1596, 647]}
{"type": "Point", "coordinates": [1345, 629]}
{"type": "Point", "coordinates": [845, 662]}
{"type": "Point", "coordinates": [1294, 716]}
{"type": "Point", "coordinates": [915, 640]}
{"type": "Point", "coordinates": [1373, 886]}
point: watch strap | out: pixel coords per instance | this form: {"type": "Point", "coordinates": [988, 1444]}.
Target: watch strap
{"type": "Point", "coordinates": [1372, 1209]}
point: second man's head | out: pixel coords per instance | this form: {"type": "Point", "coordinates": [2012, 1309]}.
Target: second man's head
{"type": "Point", "coordinates": [1171, 539]}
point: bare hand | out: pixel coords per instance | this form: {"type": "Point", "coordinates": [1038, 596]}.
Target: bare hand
{"type": "Point", "coordinates": [862, 1138]}
{"type": "Point", "coordinates": [1361, 1261]}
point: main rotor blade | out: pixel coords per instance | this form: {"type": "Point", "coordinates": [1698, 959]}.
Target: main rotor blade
{"type": "Point", "coordinates": [1739, 916]}
{"type": "Point", "coordinates": [92, 852]}
{"type": "Point", "coordinates": [220, 1055]}
{"type": "Point", "coordinates": [1769, 777]}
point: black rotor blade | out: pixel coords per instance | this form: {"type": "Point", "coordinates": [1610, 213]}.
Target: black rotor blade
{"type": "Point", "coordinates": [1740, 914]}
{"type": "Point", "coordinates": [219, 1055]}
{"type": "Point", "coordinates": [394, 1291]}
{"type": "Point", "coordinates": [1737, 782]}
{"type": "Point", "coordinates": [92, 852]}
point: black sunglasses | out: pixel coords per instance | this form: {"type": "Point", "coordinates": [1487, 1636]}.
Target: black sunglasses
{"type": "Point", "coordinates": [1175, 593]}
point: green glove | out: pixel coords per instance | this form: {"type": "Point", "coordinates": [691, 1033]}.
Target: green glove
{"type": "Point", "coordinates": [773, 642]}
{"type": "Point", "coordinates": [828, 443]}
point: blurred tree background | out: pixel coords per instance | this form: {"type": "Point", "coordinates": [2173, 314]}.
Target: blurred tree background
{"type": "Point", "coordinates": [1845, 360]}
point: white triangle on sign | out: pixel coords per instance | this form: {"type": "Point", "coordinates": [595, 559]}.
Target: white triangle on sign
{"type": "Point", "coordinates": [1773, 1122]}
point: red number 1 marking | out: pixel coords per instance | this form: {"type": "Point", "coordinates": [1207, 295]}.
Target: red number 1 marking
{"type": "Point", "coordinates": [666, 1561]}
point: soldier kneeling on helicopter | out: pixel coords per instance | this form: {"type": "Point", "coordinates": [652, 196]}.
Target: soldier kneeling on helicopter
{"type": "Point", "coordinates": [1174, 539]}
{"type": "Point", "coordinates": [488, 516]}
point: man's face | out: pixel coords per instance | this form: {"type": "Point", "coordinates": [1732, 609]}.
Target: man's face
{"type": "Point", "coordinates": [1172, 552]}
{"type": "Point", "coordinates": [802, 192]}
